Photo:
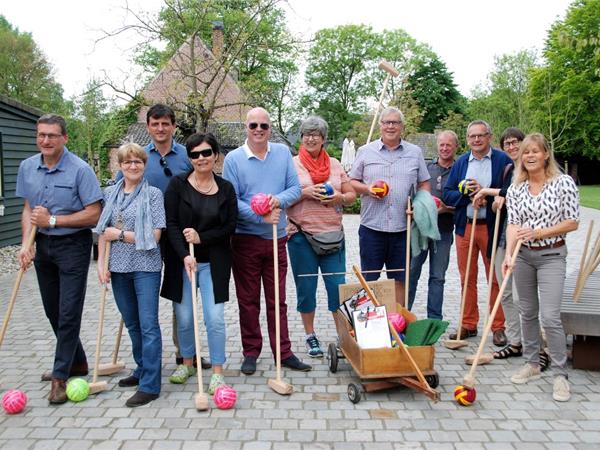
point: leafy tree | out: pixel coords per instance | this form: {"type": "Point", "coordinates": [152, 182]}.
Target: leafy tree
{"type": "Point", "coordinates": [503, 101]}
{"type": "Point", "coordinates": [565, 93]}
{"type": "Point", "coordinates": [258, 51]}
{"type": "Point", "coordinates": [434, 91]}
{"type": "Point", "coordinates": [25, 73]}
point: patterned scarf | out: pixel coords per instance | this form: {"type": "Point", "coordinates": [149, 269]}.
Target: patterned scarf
{"type": "Point", "coordinates": [117, 201]}
{"type": "Point", "coordinates": [317, 168]}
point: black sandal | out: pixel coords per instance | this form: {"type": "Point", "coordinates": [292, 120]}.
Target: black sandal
{"type": "Point", "coordinates": [544, 361]}
{"type": "Point", "coordinates": [509, 351]}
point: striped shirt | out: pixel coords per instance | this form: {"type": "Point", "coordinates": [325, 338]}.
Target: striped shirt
{"type": "Point", "coordinates": [312, 215]}
{"type": "Point", "coordinates": [401, 168]}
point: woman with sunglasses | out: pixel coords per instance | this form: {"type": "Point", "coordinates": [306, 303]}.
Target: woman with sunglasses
{"type": "Point", "coordinates": [132, 220]}
{"type": "Point", "coordinates": [201, 209]}
{"type": "Point", "coordinates": [318, 211]}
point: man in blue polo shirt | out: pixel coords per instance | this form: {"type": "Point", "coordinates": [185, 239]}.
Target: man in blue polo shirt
{"type": "Point", "coordinates": [62, 199]}
{"type": "Point", "coordinates": [382, 232]}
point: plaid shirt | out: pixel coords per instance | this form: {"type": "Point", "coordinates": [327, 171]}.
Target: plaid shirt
{"type": "Point", "coordinates": [401, 168]}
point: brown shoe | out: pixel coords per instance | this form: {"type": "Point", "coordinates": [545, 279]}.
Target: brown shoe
{"type": "Point", "coordinates": [58, 392]}
{"type": "Point", "coordinates": [464, 334]}
{"type": "Point", "coordinates": [499, 338]}
{"type": "Point", "coordinates": [77, 370]}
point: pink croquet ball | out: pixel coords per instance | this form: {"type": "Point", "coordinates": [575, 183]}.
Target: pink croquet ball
{"type": "Point", "coordinates": [437, 201]}
{"type": "Point", "coordinates": [398, 321]}
{"type": "Point", "coordinates": [260, 204]}
{"type": "Point", "coordinates": [225, 397]}
{"type": "Point", "coordinates": [14, 401]}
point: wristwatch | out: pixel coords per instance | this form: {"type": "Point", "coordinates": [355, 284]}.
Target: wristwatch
{"type": "Point", "coordinates": [52, 222]}
{"type": "Point", "coordinates": [122, 236]}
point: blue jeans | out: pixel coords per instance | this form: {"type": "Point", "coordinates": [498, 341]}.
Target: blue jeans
{"type": "Point", "coordinates": [439, 256]}
{"type": "Point", "coordinates": [136, 294]}
{"type": "Point", "coordinates": [214, 317]}
{"type": "Point", "coordinates": [379, 248]}
{"type": "Point", "coordinates": [304, 260]}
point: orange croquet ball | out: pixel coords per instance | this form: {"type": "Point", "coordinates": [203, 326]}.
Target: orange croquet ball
{"type": "Point", "coordinates": [380, 188]}
{"type": "Point", "coordinates": [465, 396]}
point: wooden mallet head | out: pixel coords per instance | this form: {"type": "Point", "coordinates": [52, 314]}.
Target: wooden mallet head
{"type": "Point", "coordinates": [387, 67]}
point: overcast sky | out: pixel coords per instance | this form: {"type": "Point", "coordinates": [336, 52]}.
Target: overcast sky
{"type": "Point", "coordinates": [466, 34]}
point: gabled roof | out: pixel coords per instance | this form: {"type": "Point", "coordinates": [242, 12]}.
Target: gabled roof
{"type": "Point", "coordinates": [22, 106]}
{"type": "Point", "coordinates": [229, 135]}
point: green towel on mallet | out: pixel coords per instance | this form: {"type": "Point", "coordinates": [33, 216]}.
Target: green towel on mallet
{"type": "Point", "coordinates": [424, 332]}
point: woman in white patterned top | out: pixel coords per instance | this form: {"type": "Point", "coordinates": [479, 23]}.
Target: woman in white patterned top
{"type": "Point", "coordinates": [132, 221]}
{"type": "Point", "coordinates": [543, 206]}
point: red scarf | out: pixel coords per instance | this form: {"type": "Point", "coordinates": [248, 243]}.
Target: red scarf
{"type": "Point", "coordinates": [317, 168]}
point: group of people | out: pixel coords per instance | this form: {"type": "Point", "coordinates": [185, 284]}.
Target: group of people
{"type": "Point", "coordinates": [169, 213]}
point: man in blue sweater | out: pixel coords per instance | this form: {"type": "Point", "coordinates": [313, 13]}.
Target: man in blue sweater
{"type": "Point", "coordinates": [260, 166]}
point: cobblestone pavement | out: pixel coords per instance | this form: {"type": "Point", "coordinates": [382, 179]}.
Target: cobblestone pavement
{"type": "Point", "coordinates": [317, 415]}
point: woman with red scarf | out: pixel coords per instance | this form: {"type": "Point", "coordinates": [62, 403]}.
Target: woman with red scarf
{"type": "Point", "coordinates": [325, 190]}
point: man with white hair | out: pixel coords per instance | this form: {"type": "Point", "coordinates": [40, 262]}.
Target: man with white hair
{"type": "Point", "coordinates": [400, 164]}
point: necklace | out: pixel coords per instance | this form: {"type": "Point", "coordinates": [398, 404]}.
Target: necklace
{"type": "Point", "coordinates": [210, 189]}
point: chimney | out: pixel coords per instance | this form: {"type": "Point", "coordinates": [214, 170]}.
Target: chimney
{"type": "Point", "coordinates": [217, 38]}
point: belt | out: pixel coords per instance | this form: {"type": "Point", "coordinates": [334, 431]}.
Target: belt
{"type": "Point", "coordinates": [77, 234]}
{"type": "Point", "coordinates": [479, 221]}
{"type": "Point", "coordinates": [556, 244]}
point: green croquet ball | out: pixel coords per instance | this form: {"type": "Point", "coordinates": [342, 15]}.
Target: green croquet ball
{"type": "Point", "coordinates": [78, 390]}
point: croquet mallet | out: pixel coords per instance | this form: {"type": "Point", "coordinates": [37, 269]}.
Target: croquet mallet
{"type": "Point", "coordinates": [391, 72]}
{"type": "Point", "coordinates": [469, 379]}
{"type": "Point", "coordinates": [13, 296]}
{"type": "Point", "coordinates": [116, 365]}
{"type": "Point", "coordinates": [277, 384]}
{"type": "Point", "coordinates": [455, 344]}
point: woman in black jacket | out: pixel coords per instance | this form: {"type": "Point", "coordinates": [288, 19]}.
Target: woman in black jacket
{"type": "Point", "coordinates": [201, 208]}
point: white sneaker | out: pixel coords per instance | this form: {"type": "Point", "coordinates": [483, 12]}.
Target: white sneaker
{"type": "Point", "coordinates": [526, 374]}
{"type": "Point", "coordinates": [561, 391]}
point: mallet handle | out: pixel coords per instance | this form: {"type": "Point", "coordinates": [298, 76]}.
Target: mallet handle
{"type": "Point", "coordinates": [376, 114]}
{"type": "Point", "coordinates": [101, 318]}
{"type": "Point", "coordinates": [464, 290]}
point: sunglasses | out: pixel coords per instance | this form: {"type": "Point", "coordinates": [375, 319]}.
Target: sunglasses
{"type": "Point", "coordinates": [263, 126]}
{"type": "Point", "coordinates": [165, 166]}
{"type": "Point", "coordinates": [206, 153]}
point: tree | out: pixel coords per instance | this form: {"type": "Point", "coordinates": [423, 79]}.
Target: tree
{"type": "Point", "coordinates": [566, 91]}
{"type": "Point", "coordinates": [503, 101]}
{"type": "Point", "coordinates": [432, 87]}
{"type": "Point", "coordinates": [25, 73]}
{"type": "Point", "coordinates": [257, 51]}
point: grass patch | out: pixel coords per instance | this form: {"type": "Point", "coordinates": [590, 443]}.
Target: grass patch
{"type": "Point", "coordinates": [590, 196]}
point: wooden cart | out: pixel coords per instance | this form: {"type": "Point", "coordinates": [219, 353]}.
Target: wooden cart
{"type": "Point", "coordinates": [380, 368]}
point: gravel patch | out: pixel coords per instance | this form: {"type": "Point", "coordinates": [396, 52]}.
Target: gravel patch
{"type": "Point", "coordinates": [8, 259]}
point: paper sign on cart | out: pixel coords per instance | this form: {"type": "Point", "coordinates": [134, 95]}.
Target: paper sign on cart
{"type": "Point", "coordinates": [371, 328]}
{"type": "Point", "coordinates": [358, 302]}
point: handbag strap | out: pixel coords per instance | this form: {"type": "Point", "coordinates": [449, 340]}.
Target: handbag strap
{"type": "Point", "coordinates": [299, 227]}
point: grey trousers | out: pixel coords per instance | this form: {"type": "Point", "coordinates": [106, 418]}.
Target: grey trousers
{"type": "Point", "coordinates": [510, 301]}
{"type": "Point", "coordinates": [540, 278]}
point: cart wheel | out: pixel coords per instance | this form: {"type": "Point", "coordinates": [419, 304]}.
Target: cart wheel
{"type": "Point", "coordinates": [354, 392]}
{"type": "Point", "coordinates": [332, 357]}
{"type": "Point", "coordinates": [433, 380]}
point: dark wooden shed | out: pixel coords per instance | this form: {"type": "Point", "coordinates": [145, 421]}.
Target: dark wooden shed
{"type": "Point", "coordinates": [17, 142]}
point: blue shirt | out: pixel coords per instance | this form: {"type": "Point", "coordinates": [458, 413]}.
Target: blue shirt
{"type": "Point", "coordinates": [401, 168]}
{"type": "Point", "coordinates": [176, 160]}
{"type": "Point", "coordinates": [66, 188]}
{"type": "Point", "coordinates": [480, 170]}
{"type": "Point", "coordinates": [275, 175]}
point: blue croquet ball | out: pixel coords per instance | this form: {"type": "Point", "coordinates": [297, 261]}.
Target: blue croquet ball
{"type": "Point", "coordinates": [327, 189]}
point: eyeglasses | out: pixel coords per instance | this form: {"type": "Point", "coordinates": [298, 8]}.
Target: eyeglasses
{"type": "Point", "coordinates": [133, 162]}
{"type": "Point", "coordinates": [474, 137]}
{"type": "Point", "coordinates": [391, 123]}
{"type": "Point", "coordinates": [49, 136]}
{"type": "Point", "coordinates": [206, 153]}
{"type": "Point", "coordinates": [263, 126]}
{"type": "Point", "coordinates": [512, 143]}
{"type": "Point", "coordinates": [314, 136]}
{"type": "Point", "coordinates": [165, 166]}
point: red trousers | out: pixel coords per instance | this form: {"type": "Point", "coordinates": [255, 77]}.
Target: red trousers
{"type": "Point", "coordinates": [471, 315]}
{"type": "Point", "coordinates": [253, 262]}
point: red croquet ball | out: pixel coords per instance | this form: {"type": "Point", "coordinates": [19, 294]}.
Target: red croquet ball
{"type": "Point", "coordinates": [437, 201]}
{"type": "Point", "coordinates": [465, 396]}
{"type": "Point", "coordinates": [14, 401]}
{"type": "Point", "coordinates": [225, 397]}
{"type": "Point", "coordinates": [260, 204]}
{"type": "Point", "coordinates": [398, 321]}
{"type": "Point", "coordinates": [380, 188]}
